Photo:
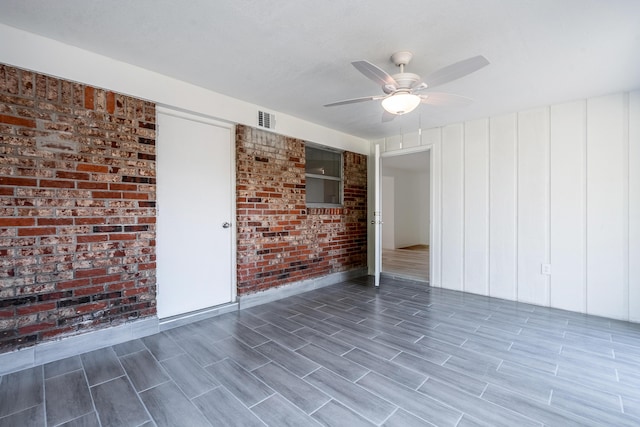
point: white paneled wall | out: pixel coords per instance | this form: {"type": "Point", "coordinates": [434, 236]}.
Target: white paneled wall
{"type": "Point", "coordinates": [453, 207]}
{"type": "Point", "coordinates": [476, 206]}
{"type": "Point", "coordinates": [556, 186]}
{"type": "Point", "coordinates": [568, 206]}
{"type": "Point", "coordinates": [503, 179]}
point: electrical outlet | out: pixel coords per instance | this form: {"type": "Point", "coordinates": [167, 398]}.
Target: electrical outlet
{"type": "Point", "coordinates": [546, 269]}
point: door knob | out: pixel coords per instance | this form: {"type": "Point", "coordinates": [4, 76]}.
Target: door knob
{"type": "Point", "coordinates": [226, 225]}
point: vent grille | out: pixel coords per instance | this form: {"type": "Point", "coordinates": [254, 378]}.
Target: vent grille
{"type": "Point", "coordinates": [266, 120]}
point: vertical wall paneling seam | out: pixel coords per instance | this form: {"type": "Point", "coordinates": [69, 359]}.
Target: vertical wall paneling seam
{"type": "Point", "coordinates": [548, 209]}
{"type": "Point", "coordinates": [625, 146]}
{"type": "Point", "coordinates": [440, 173]}
{"type": "Point", "coordinates": [517, 204]}
{"type": "Point", "coordinates": [464, 191]}
{"type": "Point", "coordinates": [585, 190]}
{"type": "Point", "coordinates": [488, 211]}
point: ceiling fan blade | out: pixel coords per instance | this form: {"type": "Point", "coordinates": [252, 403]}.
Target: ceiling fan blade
{"type": "Point", "coordinates": [456, 71]}
{"type": "Point", "coordinates": [387, 116]}
{"type": "Point", "coordinates": [354, 100]}
{"type": "Point", "coordinates": [445, 99]}
{"type": "Point", "coordinates": [376, 74]}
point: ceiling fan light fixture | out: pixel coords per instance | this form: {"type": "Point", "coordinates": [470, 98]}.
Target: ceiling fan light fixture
{"type": "Point", "coordinates": [401, 103]}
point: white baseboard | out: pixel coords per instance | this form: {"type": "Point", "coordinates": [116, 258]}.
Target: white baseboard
{"type": "Point", "coordinates": [295, 288]}
{"type": "Point", "coordinates": [50, 351]}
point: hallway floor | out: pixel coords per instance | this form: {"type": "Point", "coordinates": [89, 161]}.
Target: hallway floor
{"type": "Point", "coordinates": [350, 355]}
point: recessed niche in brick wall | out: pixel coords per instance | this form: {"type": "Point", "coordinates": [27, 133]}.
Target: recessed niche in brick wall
{"type": "Point", "coordinates": [280, 240]}
{"type": "Point", "coordinates": [77, 208]}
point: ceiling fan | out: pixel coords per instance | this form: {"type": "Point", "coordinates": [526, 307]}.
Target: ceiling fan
{"type": "Point", "coordinates": [403, 92]}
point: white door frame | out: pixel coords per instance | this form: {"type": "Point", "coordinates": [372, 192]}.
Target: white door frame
{"type": "Point", "coordinates": [377, 203]}
{"type": "Point", "coordinates": [167, 110]}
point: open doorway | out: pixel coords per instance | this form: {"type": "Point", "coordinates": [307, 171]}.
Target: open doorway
{"type": "Point", "coordinates": [405, 203]}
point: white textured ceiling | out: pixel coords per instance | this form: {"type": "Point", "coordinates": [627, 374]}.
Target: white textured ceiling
{"type": "Point", "coordinates": [293, 56]}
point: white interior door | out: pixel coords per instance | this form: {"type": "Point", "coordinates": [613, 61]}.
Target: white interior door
{"type": "Point", "coordinates": [195, 235]}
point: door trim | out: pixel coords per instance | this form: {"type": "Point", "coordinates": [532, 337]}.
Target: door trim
{"type": "Point", "coordinates": [197, 117]}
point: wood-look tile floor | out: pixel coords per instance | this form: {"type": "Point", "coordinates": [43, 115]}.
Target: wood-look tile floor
{"type": "Point", "coordinates": [406, 263]}
{"type": "Point", "coordinates": [350, 355]}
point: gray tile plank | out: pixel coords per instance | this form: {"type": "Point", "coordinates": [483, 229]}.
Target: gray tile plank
{"type": "Point", "coordinates": [410, 400]}
{"type": "Point", "coordinates": [88, 420]}
{"type": "Point", "coordinates": [457, 379]}
{"type": "Point", "coordinates": [318, 325]}
{"type": "Point", "coordinates": [67, 397]}
{"type": "Point", "coordinates": [474, 406]}
{"type": "Point", "coordinates": [282, 337]}
{"type": "Point", "coordinates": [169, 407]}
{"type": "Point", "coordinates": [402, 418]}
{"type": "Point", "coordinates": [117, 404]}
{"type": "Point", "coordinates": [356, 328]}
{"type": "Point", "coordinates": [222, 408]}
{"type": "Point", "coordinates": [245, 334]}
{"type": "Point", "coordinates": [325, 341]}
{"type": "Point", "coordinates": [374, 347]}
{"type": "Point", "coordinates": [276, 411]}
{"type": "Point", "coordinates": [297, 391]}
{"type": "Point", "coordinates": [30, 417]}
{"type": "Point", "coordinates": [101, 365]}
{"type": "Point", "coordinates": [533, 409]}
{"type": "Point", "coordinates": [192, 379]}
{"type": "Point", "coordinates": [62, 366]}
{"type": "Point", "coordinates": [128, 347]}
{"type": "Point", "coordinates": [436, 356]}
{"type": "Point", "coordinates": [203, 350]}
{"type": "Point", "coordinates": [244, 355]}
{"type": "Point", "coordinates": [21, 390]}
{"type": "Point", "coordinates": [604, 416]}
{"type": "Point", "coordinates": [288, 359]}
{"type": "Point", "coordinates": [246, 387]}
{"type": "Point", "coordinates": [631, 407]}
{"type": "Point", "coordinates": [339, 365]}
{"type": "Point", "coordinates": [143, 369]}
{"type": "Point", "coordinates": [389, 369]}
{"type": "Point", "coordinates": [354, 397]}
{"type": "Point", "coordinates": [335, 414]}
{"type": "Point", "coordinates": [162, 346]}
{"type": "Point", "coordinates": [398, 331]}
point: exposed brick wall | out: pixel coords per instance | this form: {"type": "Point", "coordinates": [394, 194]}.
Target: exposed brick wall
{"type": "Point", "coordinates": [77, 208]}
{"type": "Point", "coordinates": [279, 239]}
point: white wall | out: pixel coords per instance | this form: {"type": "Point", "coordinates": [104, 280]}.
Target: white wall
{"type": "Point", "coordinates": [405, 207]}
{"type": "Point", "coordinates": [43, 55]}
{"type": "Point", "coordinates": [556, 185]}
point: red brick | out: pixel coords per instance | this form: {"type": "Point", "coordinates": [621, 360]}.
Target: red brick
{"type": "Point", "coordinates": [36, 231]}
{"type": "Point", "coordinates": [92, 238]}
{"type": "Point", "coordinates": [18, 121]}
{"type": "Point", "coordinates": [90, 273]}
{"type": "Point", "coordinates": [91, 290]}
{"type": "Point", "coordinates": [35, 308]}
{"type": "Point", "coordinates": [92, 168]}
{"type": "Point", "coordinates": [71, 284]}
{"type": "Point", "coordinates": [106, 194]}
{"type": "Point", "coordinates": [55, 221]}
{"type": "Point", "coordinates": [25, 330]}
{"type": "Point", "coordinates": [56, 183]}
{"type": "Point", "coordinates": [91, 185]}
{"type": "Point", "coordinates": [17, 222]}
{"type": "Point", "coordinates": [89, 98]}
{"type": "Point", "coordinates": [19, 182]}
{"type": "Point", "coordinates": [79, 176]}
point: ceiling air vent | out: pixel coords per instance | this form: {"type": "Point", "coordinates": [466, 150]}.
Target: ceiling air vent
{"type": "Point", "coordinates": [266, 120]}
